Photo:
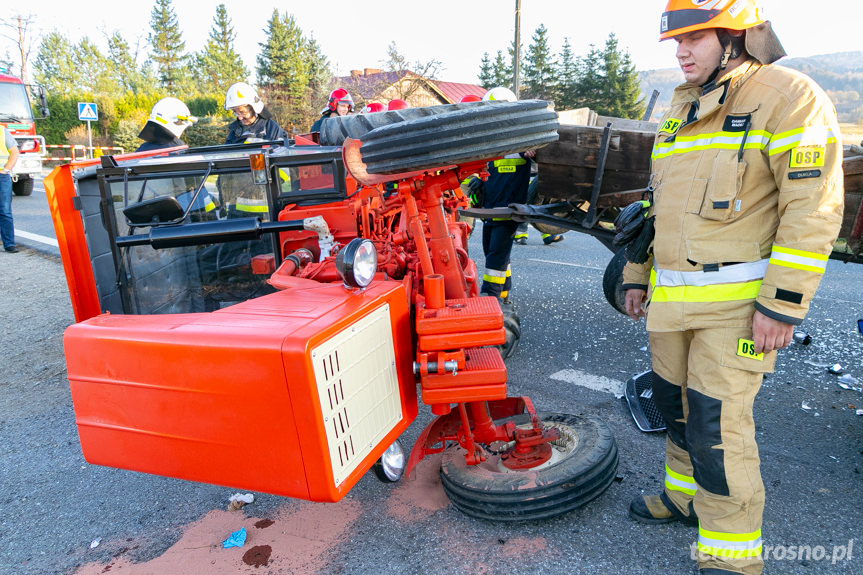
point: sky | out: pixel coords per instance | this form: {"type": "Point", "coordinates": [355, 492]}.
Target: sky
{"type": "Point", "coordinates": [355, 35]}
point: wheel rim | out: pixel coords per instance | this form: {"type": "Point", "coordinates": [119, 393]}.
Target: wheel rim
{"type": "Point", "coordinates": [560, 448]}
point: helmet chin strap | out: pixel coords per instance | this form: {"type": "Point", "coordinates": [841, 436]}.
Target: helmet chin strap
{"type": "Point", "coordinates": [727, 43]}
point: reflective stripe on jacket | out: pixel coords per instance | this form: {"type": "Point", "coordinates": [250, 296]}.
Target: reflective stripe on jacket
{"type": "Point", "coordinates": [748, 177]}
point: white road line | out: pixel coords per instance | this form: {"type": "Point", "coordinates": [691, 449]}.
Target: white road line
{"type": "Point", "coordinates": [565, 264]}
{"type": "Point", "coordinates": [590, 381]}
{"type": "Point", "coordinates": [37, 238]}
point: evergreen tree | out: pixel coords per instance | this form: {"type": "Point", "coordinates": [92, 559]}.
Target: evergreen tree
{"type": "Point", "coordinates": [500, 71]}
{"type": "Point", "coordinates": [486, 74]}
{"type": "Point", "coordinates": [539, 70]}
{"type": "Point", "coordinates": [218, 64]}
{"type": "Point", "coordinates": [284, 71]}
{"type": "Point", "coordinates": [566, 97]}
{"type": "Point", "coordinates": [319, 77]}
{"type": "Point", "coordinates": [124, 67]}
{"type": "Point", "coordinates": [167, 43]}
{"type": "Point", "coordinates": [591, 82]}
{"type": "Point", "coordinates": [55, 65]}
{"type": "Point", "coordinates": [95, 69]}
{"type": "Point", "coordinates": [622, 90]}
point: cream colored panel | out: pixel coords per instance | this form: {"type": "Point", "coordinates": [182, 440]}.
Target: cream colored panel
{"type": "Point", "coordinates": [355, 372]}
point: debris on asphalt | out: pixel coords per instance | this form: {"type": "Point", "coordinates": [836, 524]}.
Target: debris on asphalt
{"type": "Point", "coordinates": [816, 363]}
{"type": "Point", "coordinates": [238, 500]}
{"type": "Point", "coordinates": [835, 369]}
{"type": "Point", "coordinates": [805, 406]}
{"type": "Point", "coordinates": [95, 542]}
{"type": "Point", "coordinates": [859, 412]}
{"type": "Point", "coordinates": [237, 539]}
{"type": "Point", "coordinates": [802, 338]}
{"type": "Point", "coordinates": [848, 381]}
{"type": "Point", "coordinates": [860, 325]}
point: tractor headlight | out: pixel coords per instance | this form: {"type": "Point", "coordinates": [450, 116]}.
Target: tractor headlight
{"type": "Point", "coordinates": [391, 466]}
{"type": "Point", "coordinates": [357, 263]}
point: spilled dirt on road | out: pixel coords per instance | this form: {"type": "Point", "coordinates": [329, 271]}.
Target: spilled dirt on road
{"type": "Point", "coordinates": [296, 540]}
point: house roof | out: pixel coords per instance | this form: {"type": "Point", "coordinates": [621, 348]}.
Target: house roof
{"type": "Point", "coordinates": [368, 86]}
{"type": "Point", "coordinates": [455, 91]}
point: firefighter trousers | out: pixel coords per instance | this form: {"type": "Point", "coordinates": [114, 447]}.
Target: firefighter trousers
{"type": "Point", "coordinates": [497, 238]}
{"type": "Point", "coordinates": [704, 385]}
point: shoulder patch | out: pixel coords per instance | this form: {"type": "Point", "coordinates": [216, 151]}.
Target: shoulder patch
{"type": "Point", "coordinates": [670, 126]}
{"type": "Point", "coordinates": [807, 157]}
{"type": "Point", "coordinates": [804, 174]}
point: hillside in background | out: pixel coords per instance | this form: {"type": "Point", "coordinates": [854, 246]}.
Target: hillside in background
{"type": "Point", "coordinates": [840, 74]}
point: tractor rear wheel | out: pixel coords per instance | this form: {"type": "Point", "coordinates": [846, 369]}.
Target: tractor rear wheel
{"type": "Point", "coordinates": [434, 136]}
{"type": "Point", "coordinates": [582, 467]}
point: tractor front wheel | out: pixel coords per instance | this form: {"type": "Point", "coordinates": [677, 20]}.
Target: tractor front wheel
{"type": "Point", "coordinates": [582, 466]}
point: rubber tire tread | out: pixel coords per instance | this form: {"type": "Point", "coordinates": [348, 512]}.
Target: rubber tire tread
{"type": "Point", "coordinates": [23, 187]}
{"type": "Point", "coordinates": [612, 281]}
{"type": "Point", "coordinates": [580, 478]}
{"type": "Point", "coordinates": [423, 138]}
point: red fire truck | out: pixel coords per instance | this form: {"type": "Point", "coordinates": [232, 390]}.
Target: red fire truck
{"type": "Point", "coordinates": [17, 116]}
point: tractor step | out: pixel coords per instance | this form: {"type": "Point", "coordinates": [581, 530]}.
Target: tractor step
{"type": "Point", "coordinates": [639, 396]}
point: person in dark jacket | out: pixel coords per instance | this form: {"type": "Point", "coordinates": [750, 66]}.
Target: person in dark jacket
{"type": "Point", "coordinates": [253, 118]}
{"type": "Point", "coordinates": [340, 103]}
{"type": "Point", "coordinates": [168, 119]}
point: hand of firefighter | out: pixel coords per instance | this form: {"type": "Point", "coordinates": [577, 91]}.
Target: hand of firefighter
{"type": "Point", "coordinates": [477, 191]}
{"type": "Point", "coordinates": [634, 301]}
{"type": "Point", "coordinates": [769, 334]}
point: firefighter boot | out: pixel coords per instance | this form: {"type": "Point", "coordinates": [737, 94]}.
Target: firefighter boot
{"type": "Point", "coordinates": [549, 239]}
{"type": "Point", "coordinates": [656, 509]}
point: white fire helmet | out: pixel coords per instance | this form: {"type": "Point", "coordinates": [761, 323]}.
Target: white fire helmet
{"type": "Point", "coordinates": [499, 94]}
{"type": "Point", "coordinates": [173, 115]}
{"type": "Point", "coordinates": [241, 94]}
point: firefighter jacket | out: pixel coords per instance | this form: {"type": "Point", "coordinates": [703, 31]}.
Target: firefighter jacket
{"type": "Point", "coordinates": [508, 180]}
{"type": "Point", "coordinates": [264, 128]}
{"type": "Point", "coordinates": [748, 195]}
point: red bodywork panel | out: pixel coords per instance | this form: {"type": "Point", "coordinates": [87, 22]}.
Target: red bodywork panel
{"type": "Point", "coordinates": [228, 397]}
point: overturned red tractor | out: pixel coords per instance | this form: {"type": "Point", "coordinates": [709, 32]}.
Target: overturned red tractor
{"type": "Point", "coordinates": [296, 296]}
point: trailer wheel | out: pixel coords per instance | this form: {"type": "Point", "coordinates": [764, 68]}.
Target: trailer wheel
{"type": "Point", "coordinates": [23, 187]}
{"type": "Point", "coordinates": [612, 281]}
{"type": "Point", "coordinates": [544, 228]}
{"type": "Point", "coordinates": [583, 466]}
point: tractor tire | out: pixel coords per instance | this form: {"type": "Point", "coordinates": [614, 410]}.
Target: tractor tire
{"type": "Point", "coordinates": [612, 281]}
{"type": "Point", "coordinates": [23, 187]}
{"type": "Point", "coordinates": [583, 467]}
{"type": "Point", "coordinates": [431, 137]}
{"type": "Point", "coordinates": [512, 326]}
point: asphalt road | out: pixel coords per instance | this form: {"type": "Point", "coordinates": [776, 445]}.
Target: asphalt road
{"type": "Point", "coordinates": [33, 227]}
{"type": "Point", "coordinates": [54, 505]}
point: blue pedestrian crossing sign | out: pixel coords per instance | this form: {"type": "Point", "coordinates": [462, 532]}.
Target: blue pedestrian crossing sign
{"type": "Point", "coordinates": [87, 111]}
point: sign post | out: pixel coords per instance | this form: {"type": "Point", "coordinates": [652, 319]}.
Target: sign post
{"type": "Point", "coordinates": [87, 112]}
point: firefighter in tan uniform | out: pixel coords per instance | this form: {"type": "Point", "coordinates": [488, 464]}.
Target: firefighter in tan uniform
{"type": "Point", "coordinates": [747, 202]}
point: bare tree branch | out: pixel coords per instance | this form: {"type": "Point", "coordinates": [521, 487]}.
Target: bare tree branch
{"type": "Point", "coordinates": [18, 29]}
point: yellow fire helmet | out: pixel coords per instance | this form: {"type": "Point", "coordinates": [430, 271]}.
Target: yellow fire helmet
{"type": "Point", "coordinates": [683, 16]}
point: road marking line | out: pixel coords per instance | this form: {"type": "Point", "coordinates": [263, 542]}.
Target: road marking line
{"type": "Point", "coordinates": [37, 238]}
{"type": "Point", "coordinates": [564, 264]}
{"type": "Point", "coordinates": [590, 381]}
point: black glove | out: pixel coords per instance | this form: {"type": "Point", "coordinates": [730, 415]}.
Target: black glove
{"type": "Point", "coordinates": [477, 191]}
{"type": "Point", "coordinates": [639, 248]}
{"type": "Point", "coordinates": [629, 222]}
